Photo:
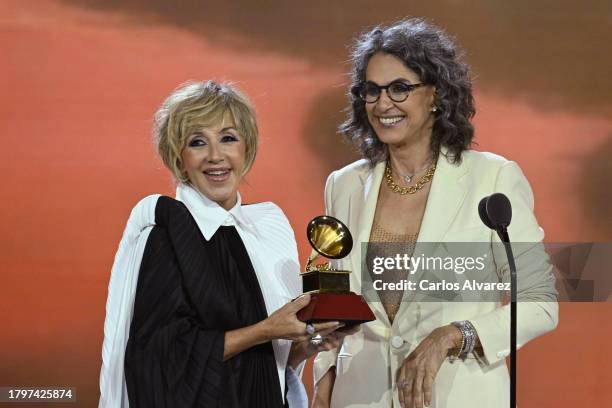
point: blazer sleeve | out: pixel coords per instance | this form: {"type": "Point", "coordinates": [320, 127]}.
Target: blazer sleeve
{"type": "Point", "coordinates": [326, 359]}
{"type": "Point", "coordinates": [170, 359]}
{"type": "Point", "coordinates": [537, 308]}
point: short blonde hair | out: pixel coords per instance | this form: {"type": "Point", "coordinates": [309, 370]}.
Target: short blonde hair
{"type": "Point", "coordinates": [195, 105]}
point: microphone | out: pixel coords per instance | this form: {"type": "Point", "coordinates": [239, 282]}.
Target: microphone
{"type": "Point", "coordinates": [496, 213]}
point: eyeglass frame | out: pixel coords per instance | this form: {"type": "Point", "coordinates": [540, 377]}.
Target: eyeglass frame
{"type": "Point", "coordinates": [411, 87]}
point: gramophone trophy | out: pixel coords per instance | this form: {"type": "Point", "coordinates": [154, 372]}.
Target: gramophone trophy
{"type": "Point", "coordinates": [331, 298]}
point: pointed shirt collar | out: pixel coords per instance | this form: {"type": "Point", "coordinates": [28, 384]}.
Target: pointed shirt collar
{"type": "Point", "coordinates": [208, 214]}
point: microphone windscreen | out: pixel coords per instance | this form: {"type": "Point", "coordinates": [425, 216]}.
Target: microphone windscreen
{"type": "Point", "coordinates": [498, 210]}
{"type": "Point", "coordinates": [482, 211]}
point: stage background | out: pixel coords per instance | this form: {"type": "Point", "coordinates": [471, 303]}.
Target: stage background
{"type": "Point", "coordinates": [80, 80]}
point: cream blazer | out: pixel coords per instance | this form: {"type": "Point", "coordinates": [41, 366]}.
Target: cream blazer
{"type": "Point", "coordinates": [367, 362]}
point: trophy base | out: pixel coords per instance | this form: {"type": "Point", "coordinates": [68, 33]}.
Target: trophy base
{"type": "Point", "coordinates": [348, 308]}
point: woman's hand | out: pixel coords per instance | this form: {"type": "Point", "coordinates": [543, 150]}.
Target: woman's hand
{"type": "Point", "coordinates": [284, 324]}
{"type": "Point", "coordinates": [416, 376]}
{"type": "Point", "coordinates": [332, 338]}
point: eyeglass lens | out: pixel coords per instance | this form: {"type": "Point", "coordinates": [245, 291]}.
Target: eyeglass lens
{"type": "Point", "coordinates": [397, 91]}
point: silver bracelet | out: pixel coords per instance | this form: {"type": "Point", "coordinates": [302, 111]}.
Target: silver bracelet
{"type": "Point", "coordinates": [469, 337]}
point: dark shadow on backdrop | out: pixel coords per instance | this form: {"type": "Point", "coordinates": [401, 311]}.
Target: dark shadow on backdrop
{"type": "Point", "coordinates": [596, 189]}
{"type": "Point", "coordinates": [321, 135]}
{"type": "Point", "coordinates": [553, 53]}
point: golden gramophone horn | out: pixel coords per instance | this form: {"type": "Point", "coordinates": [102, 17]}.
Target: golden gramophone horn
{"type": "Point", "coordinates": [329, 237]}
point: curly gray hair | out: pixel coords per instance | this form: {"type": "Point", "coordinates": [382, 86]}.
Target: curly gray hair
{"type": "Point", "coordinates": [431, 53]}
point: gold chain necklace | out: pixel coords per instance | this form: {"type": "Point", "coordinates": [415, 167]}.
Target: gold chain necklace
{"type": "Point", "coordinates": [411, 189]}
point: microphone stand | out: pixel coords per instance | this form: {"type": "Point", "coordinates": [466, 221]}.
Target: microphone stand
{"type": "Point", "coordinates": [503, 235]}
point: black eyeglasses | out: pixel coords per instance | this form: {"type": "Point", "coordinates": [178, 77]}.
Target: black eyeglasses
{"type": "Point", "coordinates": [397, 91]}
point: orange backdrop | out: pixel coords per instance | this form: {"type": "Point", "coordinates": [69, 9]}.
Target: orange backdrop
{"type": "Point", "coordinates": [81, 79]}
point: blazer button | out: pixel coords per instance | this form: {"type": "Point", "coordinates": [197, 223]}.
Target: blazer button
{"type": "Point", "coordinates": [397, 342]}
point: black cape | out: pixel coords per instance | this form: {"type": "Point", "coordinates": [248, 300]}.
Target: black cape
{"type": "Point", "coordinates": [190, 292]}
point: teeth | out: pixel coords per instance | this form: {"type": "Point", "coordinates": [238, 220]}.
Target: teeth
{"type": "Point", "coordinates": [390, 121]}
{"type": "Point", "coordinates": [217, 173]}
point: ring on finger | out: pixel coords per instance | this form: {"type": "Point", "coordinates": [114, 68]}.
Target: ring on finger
{"type": "Point", "coordinates": [316, 340]}
{"type": "Point", "coordinates": [310, 329]}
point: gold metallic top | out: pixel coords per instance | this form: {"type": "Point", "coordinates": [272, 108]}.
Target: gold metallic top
{"type": "Point", "coordinates": [390, 299]}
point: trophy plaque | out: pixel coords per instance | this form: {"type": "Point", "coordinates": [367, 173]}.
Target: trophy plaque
{"type": "Point", "coordinates": [331, 298]}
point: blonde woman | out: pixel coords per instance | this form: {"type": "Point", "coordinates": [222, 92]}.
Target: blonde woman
{"type": "Point", "coordinates": [199, 312]}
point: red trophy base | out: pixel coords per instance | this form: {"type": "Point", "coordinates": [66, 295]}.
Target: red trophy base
{"type": "Point", "coordinates": [348, 308]}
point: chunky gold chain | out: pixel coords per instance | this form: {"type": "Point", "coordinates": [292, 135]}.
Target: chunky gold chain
{"type": "Point", "coordinates": [411, 189]}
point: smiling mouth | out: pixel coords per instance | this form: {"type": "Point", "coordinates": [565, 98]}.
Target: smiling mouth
{"type": "Point", "coordinates": [217, 175]}
{"type": "Point", "coordinates": [390, 120]}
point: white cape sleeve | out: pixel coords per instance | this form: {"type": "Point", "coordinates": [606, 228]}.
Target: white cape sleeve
{"type": "Point", "coordinates": [120, 302]}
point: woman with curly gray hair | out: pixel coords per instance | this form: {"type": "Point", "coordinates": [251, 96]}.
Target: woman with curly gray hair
{"type": "Point", "coordinates": [410, 109]}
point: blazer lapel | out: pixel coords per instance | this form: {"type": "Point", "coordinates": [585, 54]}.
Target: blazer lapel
{"type": "Point", "coordinates": [446, 197]}
{"type": "Point", "coordinates": [368, 197]}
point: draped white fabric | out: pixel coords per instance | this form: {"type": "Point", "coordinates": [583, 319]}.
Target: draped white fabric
{"type": "Point", "coordinates": [120, 302]}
